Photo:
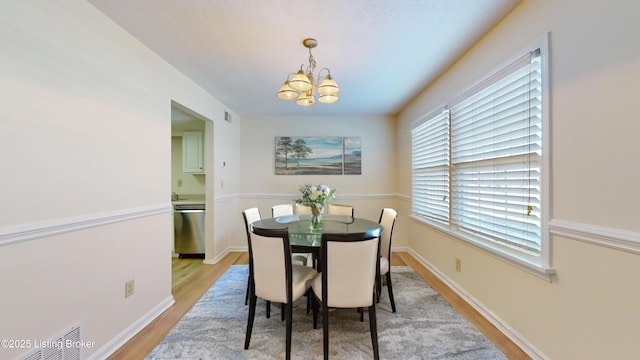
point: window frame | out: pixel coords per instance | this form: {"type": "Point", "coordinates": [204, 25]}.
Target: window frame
{"type": "Point", "coordinates": [538, 264]}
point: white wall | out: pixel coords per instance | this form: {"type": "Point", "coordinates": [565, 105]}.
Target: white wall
{"type": "Point", "coordinates": [589, 310]}
{"type": "Point", "coordinates": [85, 142]}
{"type": "Point", "coordinates": [86, 114]}
{"type": "Point", "coordinates": [368, 193]}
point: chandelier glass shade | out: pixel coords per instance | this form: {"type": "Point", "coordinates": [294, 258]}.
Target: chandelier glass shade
{"type": "Point", "coordinates": [303, 86]}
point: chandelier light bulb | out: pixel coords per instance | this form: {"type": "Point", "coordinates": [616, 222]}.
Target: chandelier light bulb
{"type": "Point", "coordinates": [328, 86]}
{"type": "Point", "coordinates": [301, 82]}
{"type": "Point", "coordinates": [328, 98]}
{"type": "Point", "coordinates": [305, 99]}
{"type": "Point", "coordinates": [287, 92]}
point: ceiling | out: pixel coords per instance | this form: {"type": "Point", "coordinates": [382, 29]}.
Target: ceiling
{"type": "Point", "coordinates": [380, 52]}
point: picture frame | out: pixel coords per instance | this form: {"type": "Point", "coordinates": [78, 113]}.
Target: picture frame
{"type": "Point", "coordinates": [318, 155]}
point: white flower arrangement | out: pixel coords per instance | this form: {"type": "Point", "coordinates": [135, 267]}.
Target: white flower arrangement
{"type": "Point", "coordinates": [316, 196]}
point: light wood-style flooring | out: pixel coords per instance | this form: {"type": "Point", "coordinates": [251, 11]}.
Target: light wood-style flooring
{"type": "Point", "coordinates": [192, 278]}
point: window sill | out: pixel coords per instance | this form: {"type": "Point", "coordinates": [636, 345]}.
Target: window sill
{"type": "Point", "coordinates": [530, 263]}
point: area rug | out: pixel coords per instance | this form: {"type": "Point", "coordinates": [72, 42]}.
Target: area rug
{"type": "Point", "coordinates": [425, 326]}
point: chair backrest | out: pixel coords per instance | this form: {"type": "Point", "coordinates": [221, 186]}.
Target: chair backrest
{"type": "Point", "coordinates": [349, 270]}
{"type": "Point", "coordinates": [271, 266]}
{"type": "Point", "coordinates": [250, 216]}
{"type": "Point", "coordinates": [336, 209]}
{"type": "Point", "coordinates": [387, 220]}
{"type": "Point", "coordinates": [302, 209]}
{"type": "Point", "coordinates": [281, 210]}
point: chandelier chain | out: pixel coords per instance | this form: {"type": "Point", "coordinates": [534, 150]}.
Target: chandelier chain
{"type": "Point", "coordinates": [312, 62]}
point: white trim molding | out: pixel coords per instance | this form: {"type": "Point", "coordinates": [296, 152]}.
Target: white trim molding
{"type": "Point", "coordinates": [11, 235]}
{"type": "Point", "coordinates": [224, 198]}
{"type": "Point", "coordinates": [293, 196]}
{"type": "Point", "coordinates": [505, 328]}
{"type": "Point", "coordinates": [618, 239]}
{"type": "Point", "coordinates": [117, 342]}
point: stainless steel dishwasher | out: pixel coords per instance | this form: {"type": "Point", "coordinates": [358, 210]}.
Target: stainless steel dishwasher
{"type": "Point", "coordinates": [188, 222]}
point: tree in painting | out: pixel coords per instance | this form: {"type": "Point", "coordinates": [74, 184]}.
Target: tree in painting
{"type": "Point", "coordinates": [301, 150]}
{"type": "Point", "coordinates": [284, 147]}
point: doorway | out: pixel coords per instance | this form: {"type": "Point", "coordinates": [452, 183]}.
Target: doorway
{"type": "Point", "coordinates": [189, 185]}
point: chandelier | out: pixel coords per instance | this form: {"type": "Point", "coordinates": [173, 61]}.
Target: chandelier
{"type": "Point", "coordinates": [303, 86]}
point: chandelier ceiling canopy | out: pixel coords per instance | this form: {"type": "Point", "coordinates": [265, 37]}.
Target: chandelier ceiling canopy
{"type": "Point", "coordinates": [303, 86]}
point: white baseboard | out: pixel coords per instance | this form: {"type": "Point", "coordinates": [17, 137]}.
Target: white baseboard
{"type": "Point", "coordinates": [507, 330]}
{"type": "Point", "coordinates": [117, 342]}
{"type": "Point", "coordinates": [244, 248]}
{"type": "Point", "coordinates": [216, 259]}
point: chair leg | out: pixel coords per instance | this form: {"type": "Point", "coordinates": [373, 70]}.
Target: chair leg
{"type": "Point", "coordinates": [373, 327]}
{"type": "Point", "coordinates": [246, 296]}
{"type": "Point", "coordinates": [325, 331]}
{"type": "Point", "coordinates": [268, 309]}
{"type": "Point", "coordinates": [282, 311]}
{"type": "Point", "coordinates": [289, 310]}
{"type": "Point", "coordinates": [390, 288]}
{"type": "Point", "coordinates": [314, 306]}
{"type": "Point", "coordinates": [252, 314]}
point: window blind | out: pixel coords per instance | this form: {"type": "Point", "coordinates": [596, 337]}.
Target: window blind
{"type": "Point", "coordinates": [430, 161]}
{"type": "Point", "coordinates": [496, 152]}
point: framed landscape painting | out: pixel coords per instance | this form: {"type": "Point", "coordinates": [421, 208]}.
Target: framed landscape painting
{"type": "Point", "coordinates": [326, 155]}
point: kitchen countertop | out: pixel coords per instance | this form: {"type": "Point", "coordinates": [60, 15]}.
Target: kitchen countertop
{"type": "Point", "coordinates": [188, 199]}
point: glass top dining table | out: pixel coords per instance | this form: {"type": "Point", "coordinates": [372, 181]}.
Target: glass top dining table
{"type": "Point", "coordinates": [302, 236]}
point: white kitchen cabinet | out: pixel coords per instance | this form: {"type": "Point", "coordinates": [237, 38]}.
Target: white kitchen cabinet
{"type": "Point", "coordinates": [192, 154]}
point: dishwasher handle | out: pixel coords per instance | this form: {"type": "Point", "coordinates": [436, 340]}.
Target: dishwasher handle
{"type": "Point", "coordinates": [188, 207]}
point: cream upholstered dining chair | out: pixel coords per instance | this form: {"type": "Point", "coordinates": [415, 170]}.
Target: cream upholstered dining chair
{"type": "Point", "coordinates": [336, 209]}
{"type": "Point", "coordinates": [281, 210]}
{"type": "Point", "coordinates": [301, 209]}
{"type": "Point", "coordinates": [284, 210]}
{"type": "Point", "coordinates": [348, 280]}
{"type": "Point", "coordinates": [275, 278]}
{"type": "Point", "coordinates": [250, 216]}
{"type": "Point", "coordinates": [387, 220]}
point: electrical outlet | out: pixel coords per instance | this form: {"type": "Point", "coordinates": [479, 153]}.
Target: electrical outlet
{"type": "Point", "coordinates": [179, 182]}
{"type": "Point", "coordinates": [458, 265]}
{"type": "Point", "coordinates": [128, 288]}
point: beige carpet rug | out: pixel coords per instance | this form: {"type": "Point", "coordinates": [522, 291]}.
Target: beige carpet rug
{"type": "Point", "coordinates": [425, 326]}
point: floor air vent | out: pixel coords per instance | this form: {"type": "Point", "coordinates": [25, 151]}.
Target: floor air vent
{"type": "Point", "coordinates": [67, 346]}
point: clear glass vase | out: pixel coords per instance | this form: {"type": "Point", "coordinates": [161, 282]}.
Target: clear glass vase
{"type": "Point", "coordinates": [316, 220]}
